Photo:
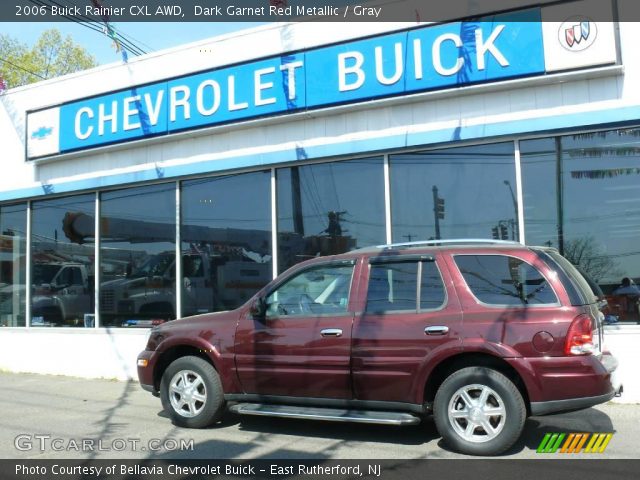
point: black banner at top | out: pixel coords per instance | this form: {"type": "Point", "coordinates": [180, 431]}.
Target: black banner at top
{"type": "Point", "coordinates": [289, 10]}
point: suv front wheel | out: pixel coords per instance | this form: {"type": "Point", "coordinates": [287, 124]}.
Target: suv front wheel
{"type": "Point", "coordinates": [479, 411]}
{"type": "Point", "coordinates": [191, 393]}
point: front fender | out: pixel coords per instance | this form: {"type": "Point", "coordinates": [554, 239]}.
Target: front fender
{"type": "Point", "coordinates": [222, 364]}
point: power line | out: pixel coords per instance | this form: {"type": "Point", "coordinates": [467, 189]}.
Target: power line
{"type": "Point", "coordinates": [21, 68]}
{"type": "Point", "coordinates": [87, 22]}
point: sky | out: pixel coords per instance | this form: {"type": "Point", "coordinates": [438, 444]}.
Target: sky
{"type": "Point", "coordinates": [149, 36]}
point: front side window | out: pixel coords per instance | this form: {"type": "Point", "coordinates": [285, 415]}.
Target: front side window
{"type": "Point", "coordinates": [318, 291]}
{"type": "Point", "coordinates": [504, 280]}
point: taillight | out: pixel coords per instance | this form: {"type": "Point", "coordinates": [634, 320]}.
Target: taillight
{"type": "Point", "coordinates": [580, 337]}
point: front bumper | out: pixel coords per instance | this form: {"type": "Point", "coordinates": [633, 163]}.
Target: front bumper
{"type": "Point", "coordinates": [145, 363]}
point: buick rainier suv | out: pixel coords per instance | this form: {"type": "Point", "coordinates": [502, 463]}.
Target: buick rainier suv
{"type": "Point", "coordinates": [479, 335]}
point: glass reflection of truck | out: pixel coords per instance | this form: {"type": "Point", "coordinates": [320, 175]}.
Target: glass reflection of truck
{"type": "Point", "coordinates": [61, 293]}
{"type": "Point", "coordinates": [149, 291]}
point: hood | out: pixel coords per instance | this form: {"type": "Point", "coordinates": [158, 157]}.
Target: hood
{"type": "Point", "coordinates": [205, 326]}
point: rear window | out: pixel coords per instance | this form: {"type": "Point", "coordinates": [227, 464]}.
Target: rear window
{"type": "Point", "coordinates": [505, 280]}
{"type": "Point", "coordinates": [578, 288]}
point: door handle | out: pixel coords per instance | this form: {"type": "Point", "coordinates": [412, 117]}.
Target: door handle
{"type": "Point", "coordinates": [331, 332]}
{"type": "Point", "coordinates": [436, 330]}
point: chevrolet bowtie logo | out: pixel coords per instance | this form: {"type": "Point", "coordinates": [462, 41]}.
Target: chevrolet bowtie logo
{"type": "Point", "coordinates": [41, 133]}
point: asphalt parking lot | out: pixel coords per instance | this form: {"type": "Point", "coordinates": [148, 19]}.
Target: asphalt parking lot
{"type": "Point", "coordinates": [63, 417]}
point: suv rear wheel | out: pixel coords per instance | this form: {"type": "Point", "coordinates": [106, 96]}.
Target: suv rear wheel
{"type": "Point", "coordinates": [191, 393]}
{"type": "Point", "coordinates": [479, 411]}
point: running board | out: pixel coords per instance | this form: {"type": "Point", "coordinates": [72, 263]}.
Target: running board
{"type": "Point", "coordinates": [329, 414]}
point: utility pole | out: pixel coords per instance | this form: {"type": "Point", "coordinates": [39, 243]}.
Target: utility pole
{"type": "Point", "coordinates": [514, 222]}
{"type": "Point", "coordinates": [438, 210]}
{"type": "Point", "coordinates": [296, 202]}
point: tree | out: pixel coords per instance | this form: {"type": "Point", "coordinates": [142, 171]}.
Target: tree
{"type": "Point", "coordinates": [589, 255]}
{"type": "Point", "coordinates": [51, 56]}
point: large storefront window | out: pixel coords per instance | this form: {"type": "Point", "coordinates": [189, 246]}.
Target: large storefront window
{"type": "Point", "coordinates": [137, 265]}
{"type": "Point", "coordinates": [540, 191]}
{"type": "Point", "coordinates": [13, 228]}
{"type": "Point", "coordinates": [463, 192]}
{"type": "Point", "coordinates": [62, 256]}
{"type": "Point", "coordinates": [582, 196]}
{"type": "Point", "coordinates": [226, 241]}
{"type": "Point", "coordinates": [329, 208]}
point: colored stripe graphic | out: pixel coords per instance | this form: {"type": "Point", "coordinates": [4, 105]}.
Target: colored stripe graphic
{"type": "Point", "coordinates": [550, 443]}
{"type": "Point", "coordinates": [574, 443]}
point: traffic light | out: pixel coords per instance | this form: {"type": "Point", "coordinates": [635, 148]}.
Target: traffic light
{"type": "Point", "coordinates": [504, 234]}
{"type": "Point", "coordinates": [494, 233]}
{"type": "Point", "coordinates": [440, 208]}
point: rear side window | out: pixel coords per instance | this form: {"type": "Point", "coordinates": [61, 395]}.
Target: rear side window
{"type": "Point", "coordinates": [504, 280]}
{"type": "Point", "coordinates": [393, 286]}
{"type": "Point", "coordinates": [432, 294]}
{"type": "Point", "coordinates": [580, 290]}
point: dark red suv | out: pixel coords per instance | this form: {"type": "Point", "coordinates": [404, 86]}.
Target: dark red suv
{"type": "Point", "coordinates": [479, 334]}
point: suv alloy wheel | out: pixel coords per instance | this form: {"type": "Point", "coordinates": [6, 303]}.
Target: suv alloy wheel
{"type": "Point", "coordinates": [479, 411]}
{"type": "Point", "coordinates": [191, 393]}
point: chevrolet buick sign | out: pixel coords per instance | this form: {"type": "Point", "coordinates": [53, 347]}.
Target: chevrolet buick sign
{"type": "Point", "coordinates": [429, 58]}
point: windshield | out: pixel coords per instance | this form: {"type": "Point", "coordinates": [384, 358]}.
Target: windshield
{"type": "Point", "coordinates": [156, 265]}
{"type": "Point", "coordinates": [43, 273]}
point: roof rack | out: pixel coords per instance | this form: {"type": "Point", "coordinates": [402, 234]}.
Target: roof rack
{"type": "Point", "coordinates": [450, 241]}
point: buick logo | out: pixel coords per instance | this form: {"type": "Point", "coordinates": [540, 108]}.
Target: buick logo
{"type": "Point", "coordinates": [577, 33]}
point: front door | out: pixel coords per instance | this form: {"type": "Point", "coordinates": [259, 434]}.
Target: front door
{"type": "Point", "coordinates": [302, 346]}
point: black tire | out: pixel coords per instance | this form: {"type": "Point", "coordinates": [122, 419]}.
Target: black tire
{"type": "Point", "coordinates": [161, 310]}
{"type": "Point", "coordinates": [203, 382]}
{"type": "Point", "coordinates": [53, 315]}
{"type": "Point", "coordinates": [502, 396]}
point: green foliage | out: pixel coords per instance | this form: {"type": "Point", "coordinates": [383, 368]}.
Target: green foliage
{"type": "Point", "coordinates": [51, 56]}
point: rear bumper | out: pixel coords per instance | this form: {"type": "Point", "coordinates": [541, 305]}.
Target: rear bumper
{"type": "Point", "coordinates": [561, 384]}
{"type": "Point", "coordinates": [568, 405]}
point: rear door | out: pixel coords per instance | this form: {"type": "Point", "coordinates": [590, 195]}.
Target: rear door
{"type": "Point", "coordinates": [411, 316]}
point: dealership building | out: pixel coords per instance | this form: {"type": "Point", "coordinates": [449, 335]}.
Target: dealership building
{"type": "Point", "coordinates": [182, 181]}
